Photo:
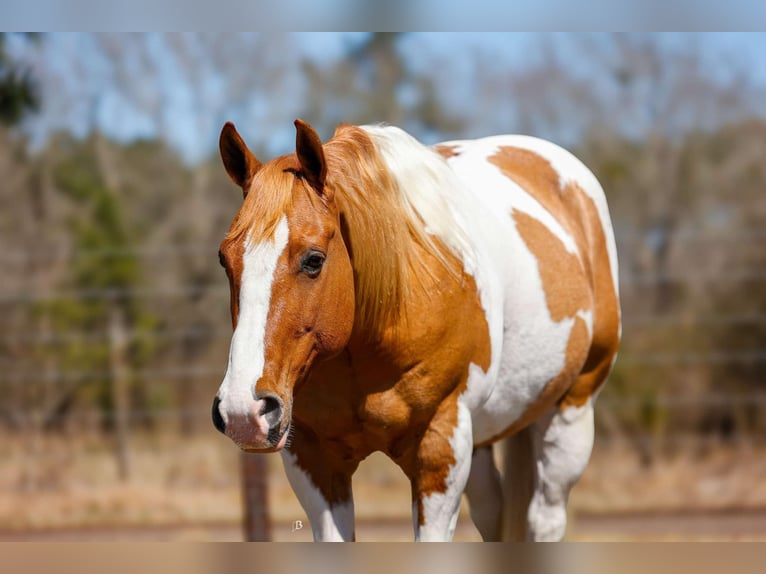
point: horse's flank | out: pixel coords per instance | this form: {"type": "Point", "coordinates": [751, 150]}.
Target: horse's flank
{"type": "Point", "coordinates": [577, 213]}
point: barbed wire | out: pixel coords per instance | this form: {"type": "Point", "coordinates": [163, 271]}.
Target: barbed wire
{"type": "Point", "coordinates": [634, 321]}
{"type": "Point", "coordinates": [122, 293]}
{"type": "Point", "coordinates": [113, 294]}
{"type": "Point", "coordinates": [91, 337]}
{"type": "Point", "coordinates": [206, 334]}
{"type": "Point", "coordinates": [628, 280]}
{"type": "Point", "coordinates": [29, 256]}
{"type": "Point", "coordinates": [683, 401]}
{"type": "Point", "coordinates": [603, 403]}
{"type": "Point", "coordinates": [77, 376]}
{"type": "Point", "coordinates": [692, 235]}
{"type": "Point", "coordinates": [755, 357]}
{"type": "Point", "coordinates": [749, 357]}
{"type": "Point", "coordinates": [101, 417]}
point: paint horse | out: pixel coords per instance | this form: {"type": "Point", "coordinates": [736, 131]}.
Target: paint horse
{"type": "Point", "coordinates": [423, 302]}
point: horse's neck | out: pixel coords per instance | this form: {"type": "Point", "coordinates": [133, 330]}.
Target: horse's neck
{"type": "Point", "coordinates": [431, 296]}
{"type": "Point", "coordinates": [386, 384]}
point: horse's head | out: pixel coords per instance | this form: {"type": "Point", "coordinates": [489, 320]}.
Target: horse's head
{"type": "Point", "coordinates": [292, 286]}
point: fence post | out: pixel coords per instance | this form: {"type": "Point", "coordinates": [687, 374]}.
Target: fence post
{"type": "Point", "coordinates": [256, 523]}
{"type": "Point", "coordinates": [118, 382]}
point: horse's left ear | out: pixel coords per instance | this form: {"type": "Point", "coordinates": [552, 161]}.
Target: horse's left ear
{"type": "Point", "coordinates": [308, 147]}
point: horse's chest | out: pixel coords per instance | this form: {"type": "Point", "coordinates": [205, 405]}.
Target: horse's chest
{"type": "Point", "coordinates": [373, 409]}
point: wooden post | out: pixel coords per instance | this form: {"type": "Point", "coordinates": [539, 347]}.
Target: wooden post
{"type": "Point", "coordinates": [256, 522]}
{"type": "Point", "coordinates": [118, 382]}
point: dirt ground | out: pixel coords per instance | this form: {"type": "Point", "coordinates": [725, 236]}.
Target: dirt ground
{"type": "Point", "coordinates": [712, 526]}
{"type": "Point", "coordinates": [66, 487]}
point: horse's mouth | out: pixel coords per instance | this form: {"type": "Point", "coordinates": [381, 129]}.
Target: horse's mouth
{"type": "Point", "coordinates": [278, 441]}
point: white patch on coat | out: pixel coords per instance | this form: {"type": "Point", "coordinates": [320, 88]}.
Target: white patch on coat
{"type": "Point", "coordinates": [587, 317]}
{"type": "Point", "coordinates": [528, 347]}
{"type": "Point", "coordinates": [429, 189]}
{"type": "Point", "coordinates": [328, 523]}
{"type": "Point", "coordinates": [570, 170]}
{"type": "Point", "coordinates": [441, 509]}
{"type": "Point", "coordinates": [562, 444]}
{"type": "Point", "coordinates": [440, 198]}
{"type": "Point", "coordinates": [246, 354]}
{"type": "Point", "coordinates": [468, 202]}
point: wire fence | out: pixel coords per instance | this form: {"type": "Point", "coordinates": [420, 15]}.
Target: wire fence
{"type": "Point", "coordinates": [666, 402]}
{"type": "Point", "coordinates": [196, 333]}
{"type": "Point", "coordinates": [194, 372]}
{"type": "Point", "coordinates": [50, 373]}
{"type": "Point", "coordinates": [28, 256]}
{"type": "Point", "coordinates": [628, 281]}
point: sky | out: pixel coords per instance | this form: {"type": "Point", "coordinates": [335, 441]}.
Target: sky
{"type": "Point", "coordinates": [82, 89]}
{"type": "Point", "coordinates": [403, 15]}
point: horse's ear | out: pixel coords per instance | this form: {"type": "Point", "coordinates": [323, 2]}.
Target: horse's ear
{"type": "Point", "coordinates": [239, 161]}
{"type": "Point", "coordinates": [308, 148]}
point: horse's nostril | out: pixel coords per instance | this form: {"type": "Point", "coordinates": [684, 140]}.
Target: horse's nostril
{"type": "Point", "coordinates": [271, 410]}
{"type": "Point", "coordinates": [218, 421]}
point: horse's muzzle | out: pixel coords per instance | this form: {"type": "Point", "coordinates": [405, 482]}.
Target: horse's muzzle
{"type": "Point", "coordinates": [261, 427]}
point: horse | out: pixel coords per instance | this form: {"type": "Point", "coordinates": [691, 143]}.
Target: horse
{"type": "Point", "coordinates": [424, 302]}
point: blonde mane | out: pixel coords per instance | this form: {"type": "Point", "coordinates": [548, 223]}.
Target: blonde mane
{"type": "Point", "coordinates": [393, 194]}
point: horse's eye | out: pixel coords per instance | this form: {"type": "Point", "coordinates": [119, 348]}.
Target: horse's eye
{"type": "Point", "coordinates": [312, 262]}
{"type": "Point", "coordinates": [222, 260]}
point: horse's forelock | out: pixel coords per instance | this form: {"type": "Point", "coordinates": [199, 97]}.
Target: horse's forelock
{"type": "Point", "coordinates": [266, 203]}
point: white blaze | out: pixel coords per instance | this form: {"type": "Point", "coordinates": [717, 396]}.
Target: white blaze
{"type": "Point", "coordinates": [246, 354]}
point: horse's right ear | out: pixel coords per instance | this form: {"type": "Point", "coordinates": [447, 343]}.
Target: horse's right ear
{"type": "Point", "coordinates": [239, 161]}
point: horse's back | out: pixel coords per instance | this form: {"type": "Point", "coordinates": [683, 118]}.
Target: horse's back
{"type": "Point", "coordinates": [547, 236]}
{"type": "Point", "coordinates": [534, 167]}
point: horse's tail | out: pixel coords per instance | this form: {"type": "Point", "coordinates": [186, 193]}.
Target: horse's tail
{"type": "Point", "coordinates": [518, 484]}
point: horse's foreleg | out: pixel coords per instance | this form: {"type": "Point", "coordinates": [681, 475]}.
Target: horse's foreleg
{"type": "Point", "coordinates": [324, 491]}
{"type": "Point", "coordinates": [562, 442]}
{"type": "Point", "coordinates": [438, 473]}
{"type": "Point", "coordinates": [485, 494]}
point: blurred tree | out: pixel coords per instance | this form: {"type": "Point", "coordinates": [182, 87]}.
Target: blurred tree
{"type": "Point", "coordinates": [107, 302]}
{"type": "Point", "coordinates": [98, 224]}
{"type": "Point", "coordinates": [375, 84]}
{"type": "Point", "coordinates": [19, 97]}
{"type": "Point", "coordinates": [656, 124]}
{"type": "Point", "coordinates": [19, 91]}
{"type": "Point", "coordinates": [675, 145]}
{"type": "Point", "coordinates": [222, 77]}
